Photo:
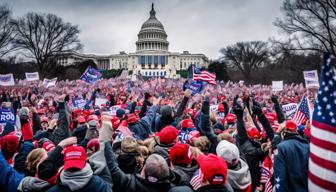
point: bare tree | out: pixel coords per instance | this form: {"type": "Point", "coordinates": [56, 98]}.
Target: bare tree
{"type": "Point", "coordinates": [44, 36]}
{"type": "Point", "coordinates": [310, 25]}
{"type": "Point", "coordinates": [5, 30]}
{"type": "Point", "coordinates": [246, 56]}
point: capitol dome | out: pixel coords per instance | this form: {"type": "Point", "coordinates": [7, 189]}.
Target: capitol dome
{"type": "Point", "coordinates": [152, 36]}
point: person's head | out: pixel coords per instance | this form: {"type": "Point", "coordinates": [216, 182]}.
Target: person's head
{"type": "Point", "coordinates": [34, 158]}
{"type": "Point", "coordinates": [44, 123]}
{"type": "Point", "coordinates": [74, 158]}
{"type": "Point", "coordinates": [254, 134]}
{"type": "Point", "coordinates": [203, 143]}
{"type": "Point", "coordinates": [290, 128]}
{"type": "Point", "coordinates": [81, 121]}
{"type": "Point", "coordinates": [155, 169]}
{"type": "Point", "coordinates": [229, 152]}
{"type": "Point", "coordinates": [180, 154]}
{"type": "Point", "coordinates": [10, 144]}
{"type": "Point", "coordinates": [168, 135]}
{"type": "Point", "coordinates": [213, 168]}
{"type": "Point", "coordinates": [187, 123]}
{"type": "Point", "coordinates": [166, 112]}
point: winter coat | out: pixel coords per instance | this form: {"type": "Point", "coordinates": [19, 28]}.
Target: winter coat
{"type": "Point", "coordinates": [212, 188]}
{"type": "Point", "coordinates": [9, 178]}
{"type": "Point", "coordinates": [185, 173]}
{"type": "Point", "coordinates": [21, 157]}
{"type": "Point", "coordinates": [251, 151]}
{"type": "Point", "coordinates": [82, 180]}
{"type": "Point", "coordinates": [33, 184]}
{"type": "Point", "coordinates": [143, 127]}
{"type": "Point", "coordinates": [291, 164]}
{"type": "Point", "coordinates": [239, 178]}
{"type": "Point", "coordinates": [134, 183]}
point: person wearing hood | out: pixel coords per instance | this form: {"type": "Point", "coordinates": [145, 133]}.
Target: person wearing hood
{"type": "Point", "coordinates": [167, 116]}
{"type": "Point", "coordinates": [238, 177]}
{"type": "Point", "coordinates": [77, 174]}
{"type": "Point", "coordinates": [154, 176]}
{"type": "Point", "coordinates": [292, 155]}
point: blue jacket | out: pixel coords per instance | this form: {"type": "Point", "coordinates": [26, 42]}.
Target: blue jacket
{"type": "Point", "coordinates": [142, 128]}
{"type": "Point", "coordinates": [291, 164]}
{"type": "Point", "coordinates": [21, 157]}
{"type": "Point", "coordinates": [96, 184]}
{"type": "Point", "coordinates": [9, 178]}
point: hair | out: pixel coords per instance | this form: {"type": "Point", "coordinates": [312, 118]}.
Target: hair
{"type": "Point", "coordinates": [203, 143]}
{"type": "Point", "coordinates": [156, 167]}
{"type": "Point", "coordinates": [33, 160]}
{"type": "Point", "coordinates": [225, 136]}
{"type": "Point", "coordinates": [129, 145]}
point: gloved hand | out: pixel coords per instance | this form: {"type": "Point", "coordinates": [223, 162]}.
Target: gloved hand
{"type": "Point", "coordinates": [274, 99]}
{"type": "Point", "coordinates": [256, 108]}
{"type": "Point", "coordinates": [239, 111]}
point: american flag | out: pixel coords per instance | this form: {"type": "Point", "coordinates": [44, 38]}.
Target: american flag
{"type": "Point", "coordinates": [302, 114]}
{"type": "Point", "coordinates": [266, 173]}
{"type": "Point", "coordinates": [203, 75]}
{"type": "Point", "coordinates": [197, 181]}
{"type": "Point", "coordinates": [322, 160]}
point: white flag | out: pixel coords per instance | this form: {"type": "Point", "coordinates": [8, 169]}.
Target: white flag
{"type": "Point", "coordinates": [49, 82]}
{"type": "Point", "coordinates": [7, 79]}
{"type": "Point", "coordinates": [277, 86]}
{"type": "Point", "coordinates": [32, 76]}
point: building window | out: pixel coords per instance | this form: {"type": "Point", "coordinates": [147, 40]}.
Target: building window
{"type": "Point", "coordinates": [164, 73]}
{"type": "Point", "coordinates": [156, 59]}
{"type": "Point", "coordinates": [150, 73]}
{"type": "Point", "coordinates": [146, 73]}
{"type": "Point", "coordinates": [142, 60]}
{"type": "Point", "coordinates": [150, 59]}
{"type": "Point", "coordinates": [161, 73]}
{"type": "Point", "coordinates": [162, 60]}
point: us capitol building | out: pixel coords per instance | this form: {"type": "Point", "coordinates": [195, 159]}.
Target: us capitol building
{"type": "Point", "coordinates": [152, 57]}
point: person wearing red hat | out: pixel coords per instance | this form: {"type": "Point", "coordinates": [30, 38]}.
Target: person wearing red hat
{"type": "Point", "coordinates": [184, 164]}
{"type": "Point", "coordinates": [187, 126]}
{"type": "Point", "coordinates": [211, 175]}
{"type": "Point", "coordinates": [77, 174]}
{"type": "Point", "coordinates": [292, 155]}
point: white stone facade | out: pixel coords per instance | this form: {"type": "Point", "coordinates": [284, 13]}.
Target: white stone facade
{"type": "Point", "coordinates": [152, 56]}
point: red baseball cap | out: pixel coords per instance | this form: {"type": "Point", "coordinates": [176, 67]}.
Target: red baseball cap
{"type": "Point", "coordinates": [230, 118]}
{"type": "Point", "coordinates": [253, 133]}
{"type": "Point", "coordinates": [168, 134]}
{"type": "Point", "coordinates": [291, 126]}
{"type": "Point", "coordinates": [187, 123]}
{"type": "Point", "coordinates": [48, 146]}
{"type": "Point", "coordinates": [93, 145]}
{"type": "Point", "coordinates": [220, 108]}
{"type": "Point", "coordinates": [180, 154]}
{"type": "Point", "coordinates": [74, 157]}
{"type": "Point", "coordinates": [214, 168]}
{"type": "Point", "coordinates": [81, 119]}
{"type": "Point", "coordinates": [271, 117]}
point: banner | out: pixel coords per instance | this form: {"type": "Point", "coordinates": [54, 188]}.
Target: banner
{"type": "Point", "coordinates": [311, 79]}
{"type": "Point", "coordinates": [100, 100]}
{"type": "Point", "coordinates": [194, 86]}
{"type": "Point", "coordinates": [78, 103]}
{"type": "Point", "coordinates": [49, 82]}
{"type": "Point", "coordinates": [7, 115]}
{"type": "Point", "coordinates": [277, 86]}
{"type": "Point", "coordinates": [32, 76]}
{"type": "Point", "coordinates": [289, 109]}
{"type": "Point", "coordinates": [7, 79]}
{"type": "Point", "coordinates": [91, 75]}
{"type": "Point", "coordinates": [113, 110]}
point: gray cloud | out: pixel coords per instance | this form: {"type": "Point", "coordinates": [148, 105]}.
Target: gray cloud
{"type": "Point", "coordinates": [200, 26]}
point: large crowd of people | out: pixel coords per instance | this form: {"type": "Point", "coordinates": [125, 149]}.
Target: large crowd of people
{"type": "Point", "coordinates": [151, 136]}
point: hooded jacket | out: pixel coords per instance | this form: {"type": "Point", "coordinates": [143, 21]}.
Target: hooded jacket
{"type": "Point", "coordinates": [239, 179]}
{"type": "Point", "coordinates": [81, 180]}
{"type": "Point", "coordinates": [33, 184]}
{"type": "Point", "coordinates": [185, 173]}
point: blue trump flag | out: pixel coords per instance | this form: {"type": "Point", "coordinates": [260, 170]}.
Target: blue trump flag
{"type": "Point", "coordinates": [7, 116]}
{"type": "Point", "coordinates": [91, 75]}
{"type": "Point", "coordinates": [194, 86]}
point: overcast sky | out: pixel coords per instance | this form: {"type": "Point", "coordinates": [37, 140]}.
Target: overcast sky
{"type": "Point", "coordinates": [199, 26]}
